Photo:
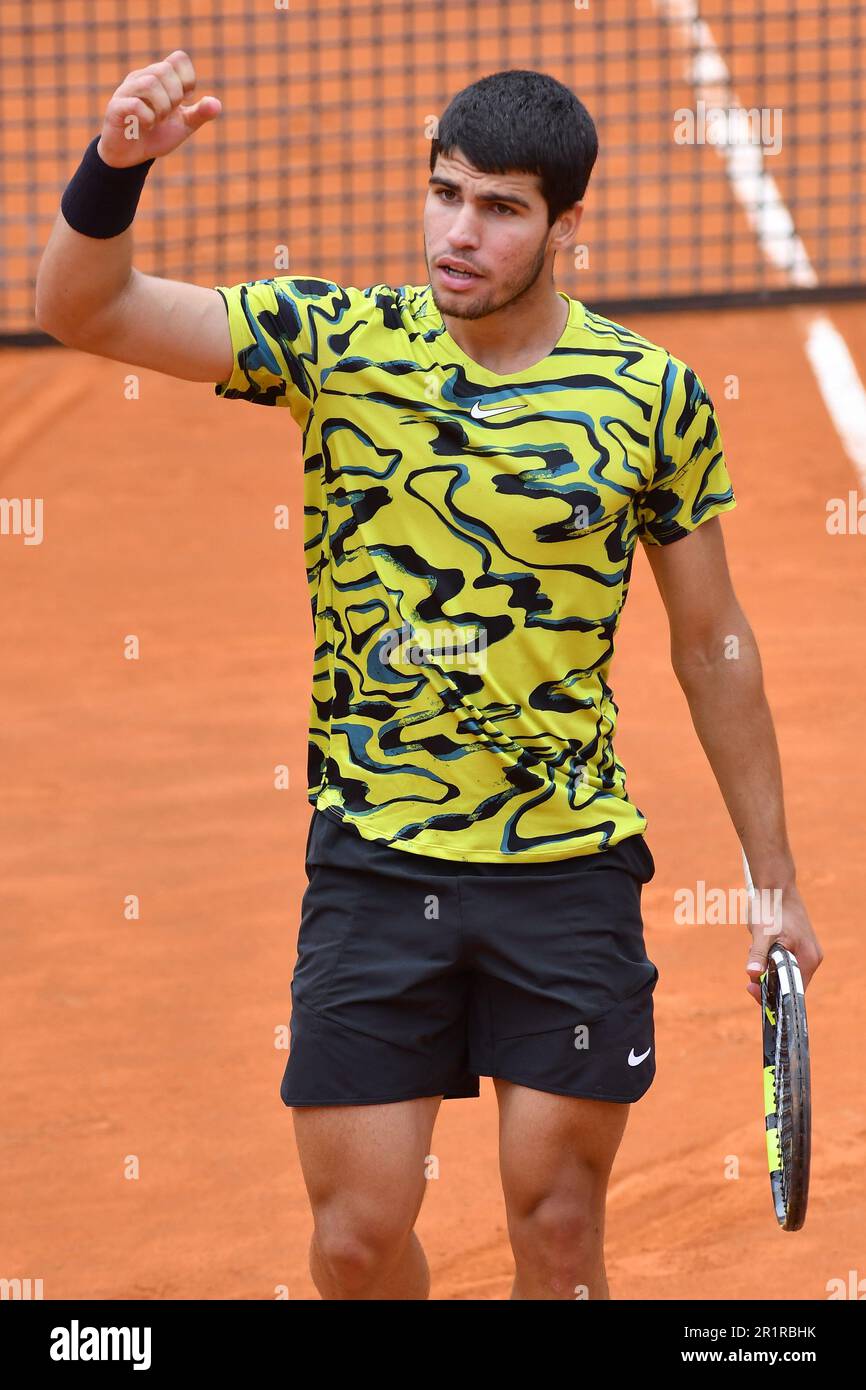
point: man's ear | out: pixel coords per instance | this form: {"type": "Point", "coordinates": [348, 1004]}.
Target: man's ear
{"type": "Point", "coordinates": [565, 227]}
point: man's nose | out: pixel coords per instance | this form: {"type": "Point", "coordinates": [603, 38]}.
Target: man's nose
{"type": "Point", "coordinates": [465, 230]}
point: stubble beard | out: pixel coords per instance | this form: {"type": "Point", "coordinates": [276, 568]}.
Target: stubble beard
{"type": "Point", "coordinates": [493, 300]}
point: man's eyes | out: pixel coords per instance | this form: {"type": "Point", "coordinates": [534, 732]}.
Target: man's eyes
{"type": "Point", "coordinates": [444, 192]}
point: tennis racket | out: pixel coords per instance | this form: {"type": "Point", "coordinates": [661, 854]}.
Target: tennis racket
{"type": "Point", "coordinates": [787, 1087]}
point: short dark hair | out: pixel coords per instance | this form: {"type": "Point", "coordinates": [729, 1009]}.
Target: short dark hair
{"type": "Point", "coordinates": [523, 121]}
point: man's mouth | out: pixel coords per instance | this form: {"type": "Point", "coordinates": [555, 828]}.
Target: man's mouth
{"type": "Point", "coordinates": [453, 275]}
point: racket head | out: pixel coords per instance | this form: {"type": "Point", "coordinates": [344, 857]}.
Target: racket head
{"type": "Point", "coordinates": [787, 1086]}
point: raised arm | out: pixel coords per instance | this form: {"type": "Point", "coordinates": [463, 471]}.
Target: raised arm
{"type": "Point", "coordinates": [88, 293]}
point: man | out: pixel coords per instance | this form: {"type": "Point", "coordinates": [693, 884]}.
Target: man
{"type": "Point", "coordinates": [481, 455]}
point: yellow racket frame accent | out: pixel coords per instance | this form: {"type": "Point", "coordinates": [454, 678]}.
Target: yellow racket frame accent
{"type": "Point", "coordinates": [769, 1090]}
{"type": "Point", "coordinates": [774, 1156]}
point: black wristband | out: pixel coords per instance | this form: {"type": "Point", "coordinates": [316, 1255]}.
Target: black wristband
{"type": "Point", "coordinates": [99, 200]}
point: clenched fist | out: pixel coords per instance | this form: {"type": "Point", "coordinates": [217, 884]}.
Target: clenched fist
{"type": "Point", "coordinates": [149, 114]}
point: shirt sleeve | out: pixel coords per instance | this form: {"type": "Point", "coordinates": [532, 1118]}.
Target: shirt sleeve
{"type": "Point", "coordinates": [690, 481]}
{"type": "Point", "coordinates": [287, 334]}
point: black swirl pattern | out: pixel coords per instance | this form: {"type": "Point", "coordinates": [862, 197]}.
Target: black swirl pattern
{"type": "Point", "coordinates": [469, 540]}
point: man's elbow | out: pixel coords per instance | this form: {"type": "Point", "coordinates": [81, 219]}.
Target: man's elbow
{"type": "Point", "coordinates": [46, 313]}
{"type": "Point", "coordinates": [60, 322]}
{"type": "Point", "coordinates": [47, 323]}
{"type": "Point", "coordinates": [40, 314]}
{"type": "Point", "coordinates": [712, 653]}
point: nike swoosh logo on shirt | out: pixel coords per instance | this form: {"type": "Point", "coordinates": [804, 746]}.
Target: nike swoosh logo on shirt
{"type": "Point", "coordinates": [634, 1061]}
{"type": "Point", "coordinates": [478, 414]}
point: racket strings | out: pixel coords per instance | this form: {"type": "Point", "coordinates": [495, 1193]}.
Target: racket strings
{"type": "Point", "coordinates": [784, 1109]}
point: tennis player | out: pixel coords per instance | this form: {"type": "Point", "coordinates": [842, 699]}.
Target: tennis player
{"type": "Point", "coordinates": [481, 455]}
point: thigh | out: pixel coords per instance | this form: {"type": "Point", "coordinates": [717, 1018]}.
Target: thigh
{"type": "Point", "coordinates": [555, 1149]}
{"type": "Point", "coordinates": [366, 1164]}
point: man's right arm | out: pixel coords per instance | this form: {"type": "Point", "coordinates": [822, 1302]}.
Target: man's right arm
{"type": "Point", "coordinates": [88, 293]}
{"type": "Point", "coordinates": [90, 296]}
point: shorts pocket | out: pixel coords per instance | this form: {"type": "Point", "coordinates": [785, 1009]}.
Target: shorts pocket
{"type": "Point", "coordinates": [313, 814]}
{"type": "Point", "coordinates": [650, 862]}
{"type": "Point", "coordinates": [326, 922]}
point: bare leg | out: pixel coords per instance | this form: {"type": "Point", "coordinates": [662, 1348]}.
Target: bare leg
{"type": "Point", "coordinates": [363, 1166]}
{"type": "Point", "coordinates": [555, 1157]}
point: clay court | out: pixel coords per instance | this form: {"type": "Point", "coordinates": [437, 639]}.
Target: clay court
{"type": "Point", "coordinates": [159, 1036]}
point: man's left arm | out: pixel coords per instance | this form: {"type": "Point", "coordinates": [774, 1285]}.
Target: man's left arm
{"type": "Point", "coordinates": [717, 663]}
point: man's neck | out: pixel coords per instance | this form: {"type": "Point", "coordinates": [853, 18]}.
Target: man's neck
{"type": "Point", "coordinates": [503, 345]}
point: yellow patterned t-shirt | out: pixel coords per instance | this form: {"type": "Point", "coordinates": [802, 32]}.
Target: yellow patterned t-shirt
{"type": "Point", "coordinates": [469, 539]}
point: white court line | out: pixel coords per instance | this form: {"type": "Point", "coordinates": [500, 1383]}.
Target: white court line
{"type": "Point", "coordinates": [841, 387]}
{"type": "Point", "coordinates": [831, 362]}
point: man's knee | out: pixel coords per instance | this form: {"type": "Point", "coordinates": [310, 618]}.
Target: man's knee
{"type": "Point", "coordinates": [357, 1249]}
{"type": "Point", "coordinates": [558, 1242]}
{"type": "Point", "coordinates": [560, 1224]}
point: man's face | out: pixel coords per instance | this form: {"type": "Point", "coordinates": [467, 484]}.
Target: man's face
{"type": "Point", "coordinates": [494, 223]}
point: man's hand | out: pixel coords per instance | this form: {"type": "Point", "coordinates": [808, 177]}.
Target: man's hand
{"type": "Point", "coordinates": [147, 117]}
{"type": "Point", "coordinates": [796, 934]}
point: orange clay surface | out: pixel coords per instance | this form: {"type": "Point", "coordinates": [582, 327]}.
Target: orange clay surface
{"type": "Point", "coordinates": [156, 1037]}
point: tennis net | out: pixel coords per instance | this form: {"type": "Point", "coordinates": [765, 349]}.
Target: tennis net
{"type": "Point", "coordinates": [731, 164]}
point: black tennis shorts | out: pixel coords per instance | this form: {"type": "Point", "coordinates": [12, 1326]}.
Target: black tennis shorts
{"type": "Point", "coordinates": [416, 975]}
